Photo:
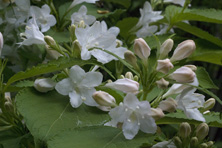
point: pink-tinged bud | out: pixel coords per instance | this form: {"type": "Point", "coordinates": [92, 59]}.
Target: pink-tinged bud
{"type": "Point", "coordinates": [209, 104]}
{"type": "Point", "coordinates": [168, 105]}
{"type": "Point", "coordinates": [164, 66]}
{"type": "Point", "coordinates": [162, 83]}
{"type": "Point", "coordinates": [125, 85]}
{"type": "Point", "coordinates": [183, 75]}
{"type": "Point", "coordinates": [131, 58]}
{"type": "Point", "coordinates": [165, 48]}
{"type": "Point", "coordinates": [1, 42]}
{"type": "Point", "coordinates": [142, 50]}
{"type": "Point", "coordinates": [183, 50]}
{"type": "Point", "coordinates": [44, 85]}
{"type": "Point", "coordinates": [156, 113]}
{"type": "Point", "coordinates": [192, 67]}
{"type": "Point", "coordinates": [104, 99]}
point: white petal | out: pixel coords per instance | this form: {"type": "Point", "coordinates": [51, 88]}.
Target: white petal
{"type": "Point", "coordinates": [131, 101]}
{"type": "Point", "coordinates": [76, 74]}
{"type": "Point", "coordinates": [82, 10]}
{"type": "Point", "coordinates": [194, 114]}
{"type": "Point", "coordinates": [86, 95]}
{"type": "Point", "coordinates": [92, 79]}
{"type": "Point", "coordinates": [64, 87]}
{"type": "Point", "coordinates": [147, 124]}
{"type": "Point", "coordinates": [75, 99]}
{"type": "Point", "coordinates": [120, 113]}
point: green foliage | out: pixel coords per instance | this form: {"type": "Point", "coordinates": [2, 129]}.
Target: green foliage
{"type": "Point", "coordinates": [60, 37]}
{"type": "Point", "coordinates": [125, 3]}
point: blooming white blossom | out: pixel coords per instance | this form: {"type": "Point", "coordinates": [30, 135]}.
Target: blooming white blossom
{"type": "Point", "coordinates": [81, 16]}
{"type": "Point", "coordinates": [32, 34]}
{"type": "Point", "coordinates": [98, 36]}
{"type": "Point", "coordinates": [189, 102]}
{"type": "Point", "coordinates": [165, 144]}
{"type": "Point", "coordinates": [147, 16]}
{"type": "Point", "coordinates": [134, 115]}
{"type": "Point", "coordinates": [80, 86]}
{"type": "Point", "coordinates": [126, 85]}
{"type": "Point", "coordinates": [179, 2]}
{"type": "Point", "coordinates": [43, 17]}
{"type": "Point", "coordinates": [76, 2]}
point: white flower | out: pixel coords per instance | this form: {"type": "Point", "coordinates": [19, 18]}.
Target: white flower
{"type": "Point", "coordinates": [80, 86]}
{"type": "Point", "coordinates": [146, 30]}
{"type": "Point", "coordinates": [98, 36]}
{"type": "Point", "coordinates": [32, 35]}
{"type": "Point", "coordinates": [164, 144]}
{"type": "Point", "coordinates": [43, 17]}
{"type": "Point", "coordinates": [81, 16]}
{"type": "Point", "coordinates": [180, 2]}
{"type": "Point", "coordinates": [189, 102]}
{"type": "Point", "coordinates": [76, 2]}
{"type": "Point", "coordinates": [125, 85]}
{"type": "Point", "coordinates": [134, 115]}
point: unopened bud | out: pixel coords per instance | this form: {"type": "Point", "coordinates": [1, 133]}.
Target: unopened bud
{"type": "Point", "coordinates": [142, 50]}
{"type": "Point", "coordinates": [44, 85]}
{"type": "Point", "coordinates": [209, 104]}
{"type": "Point", "coordinates": [109, 81]}
{"type": "Point", "coordinates": [177, 142]}
{"type": "Point", "coordinates": [104, 99]}
{"type": "Point", "coordinates": [82, 24]}
{"type": "Point", "coordinates": [165, 48]}
{"type": "Point", "coordinates": [52, 54]}
{"type": "Point", "coordinates": [184, 130]}
{"type": "Point", "coordinates": [129, 75]}
{"type": "Point", "coordinates": [1, 42]}
{"type": "Point", "coordinates": [168, 105]}
{"type": "Point", "coordinates": [210, 144]}
{"type": "Point", "coordinates": [135, 78]}
{"type": "Point", "coordinates": [76, 49]}
{"type": "Point", "coordinates": [50, 41]}
{"type": "Point", "coordinates": [183, 75]}
{"type": "Point", "coordinates": [121, 77]}
{"type": "Point", "coordinates": [202, 131]}
{"type": "Point", "coordinates": [8, 97]}
{"type": "Point", "coordinates": [183, 50]}
{"type": "Point", "coordinates": [164, 66]}
{"type": "Point", "coordinates": [203, 145]}
{"type": "Point", "coordinates": [156, 113]}
{"type": "Point", "coordinates": [162, 83]}
{"type": "Point", "coordinates": [130, 58]}
{"type": "Point", "coordinates": [193, 142]}
{"type": "Point", "coordinates": [9, 107]}
{"type": "Point", "coordinates": [72, 32]}
{"type": "Point", "coordinates": [192, 67]}
{"type": "Point", "coordinates": [118, 43]}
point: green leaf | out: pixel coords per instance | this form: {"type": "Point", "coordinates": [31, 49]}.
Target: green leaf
{"type": "Point", "coordinates": [199, 33]}
{"type": "Point", "coordinates": [151, 40]}
{"type": "Point", "coordinates": [125, 3]}
{"type": "Point", "coordinates": [20, 85]}
{"type": "Point", "coordinates": [59, 37]}
{"type": "Point", "coordinates": [204, 79]}
{"type": "Point", "coordinates": [48, 114]}
{"type": "Point", "coordinates": [96, 137]}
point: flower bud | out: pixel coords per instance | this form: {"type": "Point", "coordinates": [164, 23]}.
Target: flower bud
{"type": "Point", "coordinates": [44, 85]}
{"type": "Point", "coordinates": [210, 144]}
{"type": "Point", "coordinates": [202, 131]}
{"type": "Point", "coordinates": [8, 97]}
{"type": "Point", "coordinates": [1, 42]}
{"type": "Point", "coordinates": [168, 105]}
{"type": "Point", "coordinates": [50, 41]}
{"type": "Point", "coordinates": [177, 142]}
{"type": "Point", "coordinates": [209, 104]}
{"type": "Point", "coordinates": [118, 43]}
{"type": "Point", "coordinates": [164, 66]}
{"type": "Point", "coordinates": [125, 85]}
{"type": "Point", "coordinates": [121, 77]}
{"type": "Point", "coordinates": [165, 48]}
{"type": "Point", "coordinates": [82, 24]}
{"type": "Point", "coordinates": [142, 50]}
{"type": "Point", "coordinates": [52, 54]}
{"type": "Point", "coordinates": [192, 67]}
{"type": "Point", "coordinates": [76, 49]}
{"type": "Point", "coordinates": [135, 78]}
{"type": "Point", "coordinates": [104, 108]}
{"type": "Point", "coordinates": [129, 75]}
{"type": "Point", "coordinates": [72, 32]}
{"type": "Point", "coordinates": [183, 50]}
{"type": "Point", "coordinates": [184, 130]}
{"type": "Point", "coordinates": [183, 75]}
{"type": "Point", "coordinates": [203, 145]}
{"type": "Point", "coordinates": [156, 113]}
{"type": "Point", "coordinates": [162, 83]}
{"type": "Point", "coordinates": [104, 99]}
{"type": "Point", "coordinates": [193, 142]}
{"type": "Point", "coordinates": [131, 58]}
{"type": "Point", "coordinates": [9, 107]}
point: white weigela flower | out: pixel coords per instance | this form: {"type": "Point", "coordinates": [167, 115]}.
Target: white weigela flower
{"type": "Point", "coordinates": [81, 16]}
{"type": "Point", "coordinates": [76, 2]}
{"type": "Point", "coordinates": [165, 144]}
{"type": "Point", "coordinates": [98, 36]}
{"type": "Point", "coordinates": [125, 85]}
{"type": "Point", "coordinates": [189, 102]}
{"type": "Point", "coordinates": [44, 85]}
{"type": "Point", "coordinates": [179, 2]}
{"type": "Point", "coordinates": [43, 17]}
{"type": "Point", "coordinates": [134, 115]}
{"type": "Point", "coordinates": [32, 35]}
{"type": "Point", "coordinates": [80, 86]}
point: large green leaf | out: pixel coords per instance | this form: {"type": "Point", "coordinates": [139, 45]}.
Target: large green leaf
{"type": "Point", "coordinates": [125, 3]}
{"type": "Point", "coordinates": [47, 114]}
{"type": "Point", "coordinates": [96, 137]}
{"type": "Point", "coordinates": [59, 37]}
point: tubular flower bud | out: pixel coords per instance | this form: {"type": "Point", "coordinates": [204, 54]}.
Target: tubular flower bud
{"type": "Point", "coordinates": [165, 48]}
{"type": "Point", "coordinates": [192, 67]}
{"type": "Point", "coordinates": [162, 83]}
{"type": "Point", "coordinates": [194, 142]}
{"type": "Point", "coordinates": [209, 104]}
{"type": "Point", "coordinates": [164, 66]}
{"type": "Point", "coordinates": [177, 141]}
{"type": "Point", "coordinates": [44, 85]}
{"type": "Point", "coordinates": [203, 145]}
{"type": "Point", "coordinates": [125, 85]}
{"type": "Point", "coordinates": [130, 58]}
{"type": "Point", "coordinates": [76, 49]}
{"type": "Point", "coordinates": [104, 99]}
{"type": "Point", "coordinates": [168, 105]}
{"type": "Point", "coordinates": [72, 32]}
{"type": "Point", "coordinates": [183, 75]}
{"type": "Point", "coordinates": [8, 97]}
{"type": "Point", "coordinates": [52, 54]}
{"type": "Point", "coordinates": [141, 48]}
{"type": "Point", "coordinates": [129, 75]}
{"type": "Point", "coordinates": [50, 41]}
{"type": "Point", "coordinates": [1, 42]}
{"type": "Point", "coordinates": [184, 130]}
{"type": "Point", "coordinates": [210, 143]}
{"type": "Point", "coordinates": [9, 107]}
{"type": "Point", "coordinates": [82, 24]}
{"type": "Point", "coordinates": [202, 131]}
{"type": "Point", "coordinates": [183, 50]}
{"type": "Point", "coordinates": [156, 113]}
